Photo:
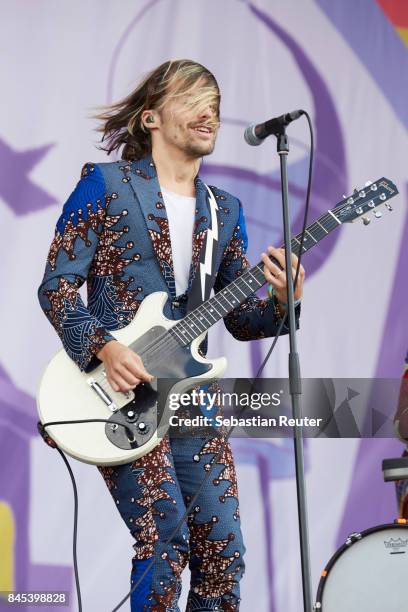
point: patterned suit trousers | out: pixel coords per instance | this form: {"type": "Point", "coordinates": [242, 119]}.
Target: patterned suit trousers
{"type": "Point", "coordinates": [152, 494]}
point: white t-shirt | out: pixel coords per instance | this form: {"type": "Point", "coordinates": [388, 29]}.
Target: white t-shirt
{"type": "Point", "coordinates": [181, 214]}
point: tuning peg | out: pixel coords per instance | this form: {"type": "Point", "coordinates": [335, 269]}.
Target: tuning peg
{"type": "Point", "coordinates": [368, 183]}
{"type": "Point", "coordinates": [366, 220]}
{"type": "Point", "coordinates": [378, 214]}
{"type": "Point", "coordinates": [389, 207]}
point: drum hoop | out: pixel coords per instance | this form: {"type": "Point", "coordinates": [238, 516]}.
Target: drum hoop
{"type": "Point", "coordinates": [342, 549]}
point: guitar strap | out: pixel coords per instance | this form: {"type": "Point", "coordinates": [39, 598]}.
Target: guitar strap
{"type": "Point", "coordinates": [205, 272]}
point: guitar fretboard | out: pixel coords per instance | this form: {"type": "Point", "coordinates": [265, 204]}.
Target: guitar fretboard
{"type": "Point", "coordinates": [212, 310]}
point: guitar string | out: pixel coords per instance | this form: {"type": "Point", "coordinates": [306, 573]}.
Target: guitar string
{"type": "Point", "coordinates": [330, 224]}
{"type": "Point", "coordinates": [180, 336]}
{"type": "Point", "coordinates": [215, 301]}
{"type": "Point", "coordinates": [170, 342]}
{"type": "Point", "coordinates": [167, 340]}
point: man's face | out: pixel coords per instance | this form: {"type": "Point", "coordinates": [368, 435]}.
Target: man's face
{"type": "Point", "coordinates": [190, 129]}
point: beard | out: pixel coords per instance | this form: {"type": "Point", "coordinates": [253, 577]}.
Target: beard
{"type": "Point", "coordinates": [198, 149]}
{"type": "Point", "coordinates": [195, 147]}
{"type": "Point", "coordinates": [188, 143]}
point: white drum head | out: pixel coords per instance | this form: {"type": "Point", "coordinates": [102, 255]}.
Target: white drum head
{"type": "Point", "coordinates": [371, 575]}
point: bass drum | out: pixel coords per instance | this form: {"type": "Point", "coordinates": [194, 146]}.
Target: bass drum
{"type": "Point", "coordinates": [369, 573]}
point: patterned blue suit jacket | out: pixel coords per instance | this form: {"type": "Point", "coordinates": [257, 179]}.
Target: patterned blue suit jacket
{"type": "Point", "coordinates": [113, 233]}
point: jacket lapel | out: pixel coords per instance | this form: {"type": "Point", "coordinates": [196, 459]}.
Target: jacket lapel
{"type": "Point", "coordinates": [146, 186]}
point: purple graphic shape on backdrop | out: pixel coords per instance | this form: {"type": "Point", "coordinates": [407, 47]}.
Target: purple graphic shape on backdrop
{"type": "Point", "coordinates": [370, 34]}
{"type": "Point", "coordinates": [329, 179]}
{"type": "Point", "coordinates": [329, 139]}
{"type": "Point", "coordinates": [16, 188]}
{"type": "Point", "coordinates": [120, 44]}
{"type": "Point", "coordinates": [372, 502]}
{"type": "Point", "coordinates": [17, 428]}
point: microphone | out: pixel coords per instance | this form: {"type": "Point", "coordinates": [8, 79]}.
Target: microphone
{"type": "Point", "coordinates": [256, 133]}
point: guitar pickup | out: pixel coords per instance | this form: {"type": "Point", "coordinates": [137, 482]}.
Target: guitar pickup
{"type": "Point", "coordinates": [102, 394]}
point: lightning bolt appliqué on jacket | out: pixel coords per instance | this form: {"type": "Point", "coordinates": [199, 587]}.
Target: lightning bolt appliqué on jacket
{"type": "Point", "coordinates": [212, 238]}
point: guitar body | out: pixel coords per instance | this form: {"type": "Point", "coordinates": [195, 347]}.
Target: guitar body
{"type": "Point", "coordinates": [67, 394]}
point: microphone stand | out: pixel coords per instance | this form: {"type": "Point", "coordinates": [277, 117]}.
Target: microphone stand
{"type": "Point", "coordinates": [295, 378]}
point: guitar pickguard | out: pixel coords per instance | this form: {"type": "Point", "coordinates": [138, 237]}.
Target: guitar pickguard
{"type": "Point", "coordinates": [146, 413]}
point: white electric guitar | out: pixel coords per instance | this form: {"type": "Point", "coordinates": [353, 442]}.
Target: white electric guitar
{"type": "Point", "coordinates": [132, 424]}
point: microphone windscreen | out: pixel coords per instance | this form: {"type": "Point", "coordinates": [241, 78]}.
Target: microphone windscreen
{"type": "Point", "coordinates": [250, 137]}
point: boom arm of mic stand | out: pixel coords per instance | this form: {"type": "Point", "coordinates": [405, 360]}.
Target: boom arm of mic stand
{"type": "Point", "coordinates": [295, 381]}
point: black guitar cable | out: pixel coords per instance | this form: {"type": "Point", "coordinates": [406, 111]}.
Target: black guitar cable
{"type": "Point", "coordinates": [74, 538]}
{"type": "Point", "coordinates": [42, 430]}
{"type": "Point", "coordinates": [227, 436]}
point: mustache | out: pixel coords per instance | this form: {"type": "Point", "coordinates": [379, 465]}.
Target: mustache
{"type": "Point", "coordinates": [212, 125]}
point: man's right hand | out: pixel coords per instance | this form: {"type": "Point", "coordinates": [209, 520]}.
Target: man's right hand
{"type": "Point", "coordinates": [124, 368]}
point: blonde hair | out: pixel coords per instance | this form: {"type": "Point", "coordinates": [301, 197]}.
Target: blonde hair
{"type": "Point", "coordinates": [121, 121]}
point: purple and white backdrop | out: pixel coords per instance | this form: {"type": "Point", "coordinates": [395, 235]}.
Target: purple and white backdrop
{"type": "Point", "coordinates": [347, 64]}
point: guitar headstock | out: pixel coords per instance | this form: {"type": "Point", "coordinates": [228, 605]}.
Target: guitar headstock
{"type": "Point", "coordinates": [364, 201]}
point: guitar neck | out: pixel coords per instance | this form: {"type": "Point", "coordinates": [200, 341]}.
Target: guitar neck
{"type": "Point", "coordinates": [212, 310]}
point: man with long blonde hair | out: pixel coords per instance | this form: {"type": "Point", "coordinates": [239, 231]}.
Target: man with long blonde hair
{"type": "Point", "coordinates": [130, 228]}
